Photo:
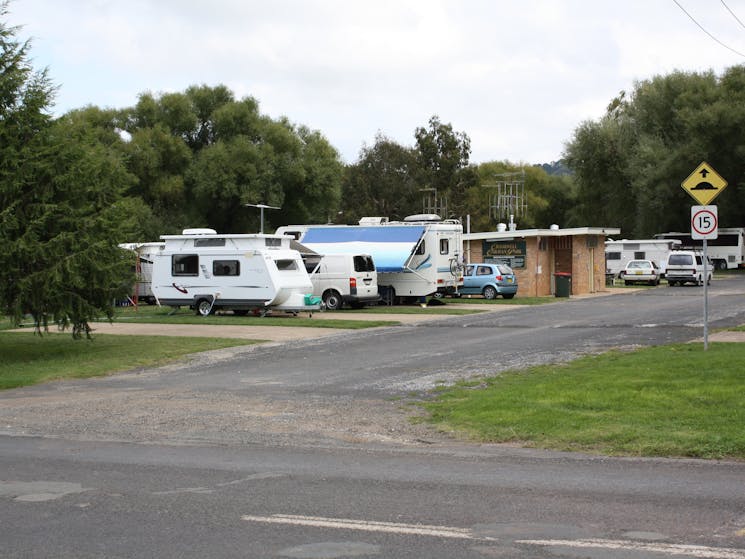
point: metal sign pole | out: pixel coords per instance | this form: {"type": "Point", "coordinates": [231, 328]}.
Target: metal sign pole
{"type": "Point", "coordinates": [706, 298]}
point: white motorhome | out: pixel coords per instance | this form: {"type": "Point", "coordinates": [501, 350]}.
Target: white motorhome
{"type": "Point", "coordinates": [144, 270]}
{"type": "Point", "coordinates": [619, 253]}
{"type": "Point", "coordinates": [207, 271]}
{"type": "Point", "coordinates": [414, 258]}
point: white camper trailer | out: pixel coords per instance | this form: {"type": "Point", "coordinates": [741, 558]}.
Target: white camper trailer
{"type": "Point", "coordinates": [207, 271]}
{"type": "Point", "coordinates": [416, 257]}
{"type": "Point", "coordinates": [143, 291]}
{"type": "Point", "coordinates": [619, 253]}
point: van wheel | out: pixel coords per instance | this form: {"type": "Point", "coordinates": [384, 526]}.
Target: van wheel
{"type": "Point", "coordinates": [490, 292]}
{"type": "Point", "coordinates": [332, 300]}
{"type": "Point", "coordinates": [203, 307]}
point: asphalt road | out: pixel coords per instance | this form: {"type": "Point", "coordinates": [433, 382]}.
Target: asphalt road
{"type": "Point", "coordinates": [213, 459]}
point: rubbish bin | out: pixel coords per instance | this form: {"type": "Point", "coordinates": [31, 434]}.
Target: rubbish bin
{"type": "Point", "coordinates": [563, 284]}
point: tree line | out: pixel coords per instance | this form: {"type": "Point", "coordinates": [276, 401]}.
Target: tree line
{"type": "Point", "coordinates": [72, 188]}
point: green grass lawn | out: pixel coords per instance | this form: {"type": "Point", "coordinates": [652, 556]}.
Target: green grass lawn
{"type": "Point", "coordinates": [677, 400]}
{"type": "Point", "coordinates": [27, 359]}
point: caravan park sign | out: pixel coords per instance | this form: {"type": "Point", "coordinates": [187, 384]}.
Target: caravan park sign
{"type": "Point", "coordinates": [704, 184]}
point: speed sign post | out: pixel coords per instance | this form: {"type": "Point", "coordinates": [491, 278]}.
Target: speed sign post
{"type": "Point", "coordinates": [705, 226]}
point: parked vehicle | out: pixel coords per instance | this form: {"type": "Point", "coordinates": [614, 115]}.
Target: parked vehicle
{"type": "Point", "coordinates": [686, 266]}
{"type": "Point", "coordinates": [489, 280]}
{"type": "Point", "coordinates": [343, 279]}
{"type": "Point", "coordinates": [414, 258]}
{"type": "Point", "coordinates": [143, 291]}
{"type": "Point", "coordinates": [641, 271]}
{"type": "Point", "coordinates": [727, 251]}
{"type": "Point", "coordinates": [206, 271]}
{"type": "Point", "coordinates": [619, 253]}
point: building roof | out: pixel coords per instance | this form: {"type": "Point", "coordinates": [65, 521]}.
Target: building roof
{"type": "Point", "coordinates": [525, 233]}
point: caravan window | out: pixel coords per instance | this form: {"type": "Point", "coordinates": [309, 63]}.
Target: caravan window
{"type": "Point", "coordinates": [285, 265]}
{"type": "Point", "coordinates": [272, 242]}
{"type": "Point", "coordinates": [613, 256]}
{"type": "Point", "coordinates": [185, 265]}
{"type": "Point", "coordinates": [420, 248]}
{"type": "Point", "coordinates": [444, 246]}
{"type": "Point", "coordinates": [209, 242]}
{"type": "Point", "coordinates": [226, 268]}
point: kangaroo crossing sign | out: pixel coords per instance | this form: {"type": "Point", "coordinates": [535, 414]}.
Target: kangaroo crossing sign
{"type": "Point", "coordinates": [704, 184]}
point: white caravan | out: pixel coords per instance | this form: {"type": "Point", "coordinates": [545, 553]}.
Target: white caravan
{"type": "Point", "coordinates": [619, 253]}
{"type": "Point", "coordinates": [144, 270]}
{"type": "Point", "coordinates": [207, 271]}
{"type": "Point", "coordinates": [419, 256]}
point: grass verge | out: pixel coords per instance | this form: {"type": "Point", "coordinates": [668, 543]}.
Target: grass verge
{"type": "Point", "coordinates": [677, 401]}
{"type": "Point", "coordinates": [27, 359]}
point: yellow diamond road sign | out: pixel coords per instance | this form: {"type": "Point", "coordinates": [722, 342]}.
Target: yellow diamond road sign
{"type": "Point", "coordinates": [704, 184]}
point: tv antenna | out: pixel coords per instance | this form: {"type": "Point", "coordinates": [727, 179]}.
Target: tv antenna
{"type": "Point", "coordinates": [262, 207]}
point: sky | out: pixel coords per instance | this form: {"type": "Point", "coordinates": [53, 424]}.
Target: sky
{"type": "Point", "coordinates": [518, 77]}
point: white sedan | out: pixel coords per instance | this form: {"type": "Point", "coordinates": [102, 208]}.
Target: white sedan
{"type": "Point", "coordinates": [641, 271]}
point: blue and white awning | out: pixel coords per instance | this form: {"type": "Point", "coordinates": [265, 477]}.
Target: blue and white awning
{"type": "Point", "coordinates": [390, 246]}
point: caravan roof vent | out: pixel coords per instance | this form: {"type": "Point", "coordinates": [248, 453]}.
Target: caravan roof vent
{"type": "Point", "coordinates": [501, 227]}
{"type": "Point", "coordinates": [423, 217]}
{"type": "Point", "coordinates": [199, 231]}
{"type": "Point", "coordinates": [554, 227]}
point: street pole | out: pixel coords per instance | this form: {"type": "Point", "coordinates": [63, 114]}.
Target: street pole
{"type": "Point", "coordinates": [706, 298]}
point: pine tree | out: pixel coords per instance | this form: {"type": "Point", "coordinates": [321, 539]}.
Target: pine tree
{"type": "Point", "coordinates": [61, 205]}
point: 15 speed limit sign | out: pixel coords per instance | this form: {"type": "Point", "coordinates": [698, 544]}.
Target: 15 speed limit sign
{"type": "Point", "coordinates": [704, 222]}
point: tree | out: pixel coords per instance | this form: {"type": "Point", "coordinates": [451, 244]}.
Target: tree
{"type": "Point", "coordinates": [61, 208]}
{"type": "Point", "coordinates": [630, 163]}
{"type": "Point", "coordinates": [381, 183]}
{"type": "Point", "coordinates": [443, 156]}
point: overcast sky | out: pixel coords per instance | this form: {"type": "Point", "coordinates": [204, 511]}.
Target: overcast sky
{"type": "Point", "coordinates": [516, 76]}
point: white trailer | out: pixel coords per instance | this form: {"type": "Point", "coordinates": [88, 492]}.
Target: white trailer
{"type": "Point", "coordinates": [619, 253]}
{"type": "Point", "coordinates": [145, 252]}
{"type": "Point", "coordinates": [419, 256]}
{"type": "Point", "coordinates": [207, 271]}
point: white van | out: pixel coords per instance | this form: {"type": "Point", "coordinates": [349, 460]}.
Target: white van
{"type": "Point", "coordinates": [343, 279]}
{"type": "Point", "coordinates": [687, 266]}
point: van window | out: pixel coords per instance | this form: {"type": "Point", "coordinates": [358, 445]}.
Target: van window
{"type": "Point", "coordinates": [444, 246]}
{"type": "Point", "coordinates": [226, 268]}
{"type": "Point", "coordinates": [286, 265]}
{"type": "Point", "coordinates": [364, 264]}
{"type": "Point", "coordinates": [680, 260]}
{"type": "Point", "coordinates": [185, 265]}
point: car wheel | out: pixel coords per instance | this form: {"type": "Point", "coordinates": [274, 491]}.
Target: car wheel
{"type": "Point", "coordinates": [203, 307]}
{"type": "Point", "coordinates": [332, 300]}
{"type": "Point", "coordinates": [490, 292]}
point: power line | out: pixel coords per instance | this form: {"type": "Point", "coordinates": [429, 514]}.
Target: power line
{"type": "Point", "coordinates": [705, 31]}
{"type": "Point", "coordinates": [732, 13]}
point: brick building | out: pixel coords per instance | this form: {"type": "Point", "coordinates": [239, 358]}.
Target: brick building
{"type": "Point", "coordinates": [537, 255]}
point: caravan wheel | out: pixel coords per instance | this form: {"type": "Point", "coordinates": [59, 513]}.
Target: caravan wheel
{"type": "Point", "coordinates": [203, 307]}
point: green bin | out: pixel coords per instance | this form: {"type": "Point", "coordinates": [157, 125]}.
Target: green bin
{"type": "Point", "coordinates": [563, 284]}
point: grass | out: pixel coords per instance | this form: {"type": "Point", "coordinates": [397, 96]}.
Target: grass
{"type": "Point", "coordinates": [27, 359]}
{"type": "Point", "coordinates": [677, 401]}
